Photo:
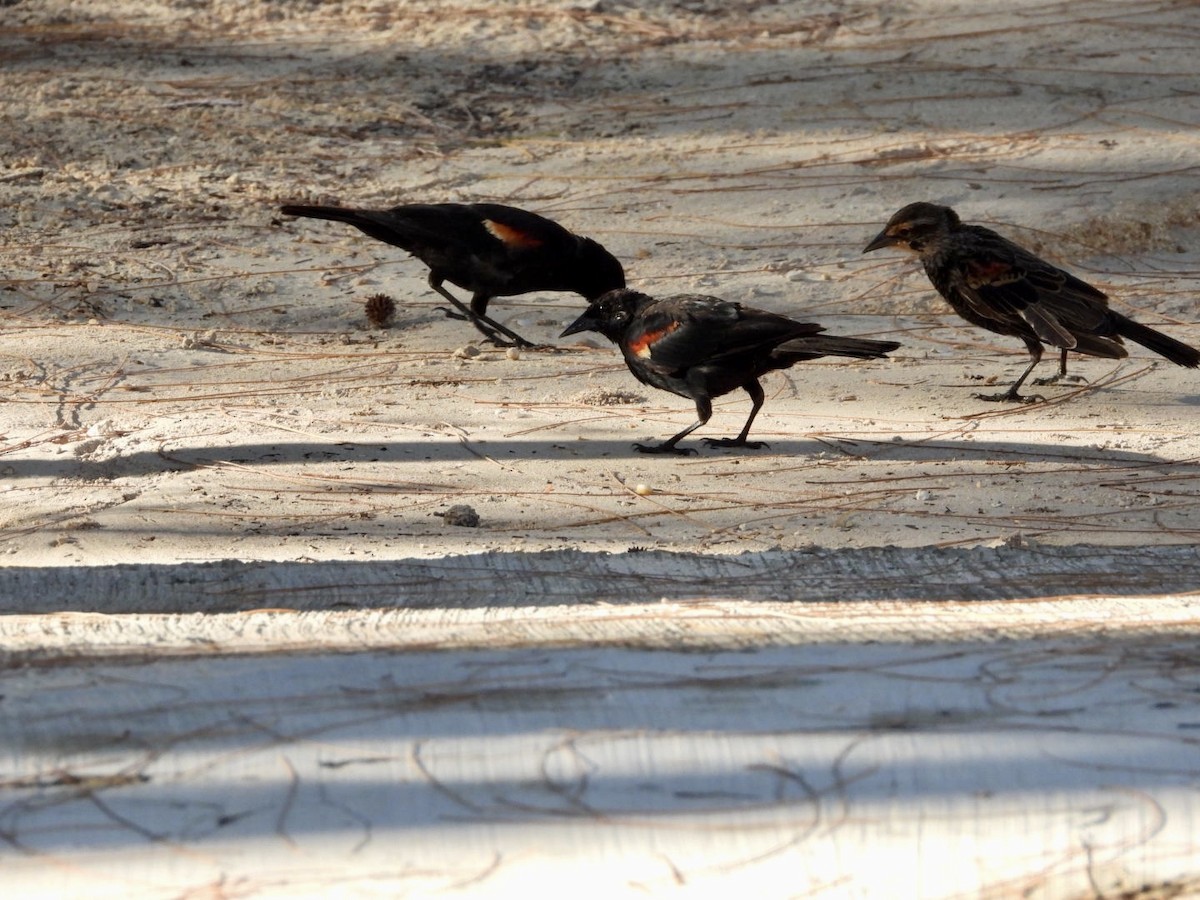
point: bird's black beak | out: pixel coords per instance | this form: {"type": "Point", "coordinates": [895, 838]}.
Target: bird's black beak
{"type": "Point", "coordinates": [586, 322]}
{"type": "Point", "coordinates": [883, 239]}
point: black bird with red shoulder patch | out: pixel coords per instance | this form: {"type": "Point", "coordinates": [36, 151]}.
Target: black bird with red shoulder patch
{"type": "Point", "coordinates": [996, 284]}
{"type": "Point", "coordinates": [702, 347]}
{"type": "Point", "coordinates": [488, 249]}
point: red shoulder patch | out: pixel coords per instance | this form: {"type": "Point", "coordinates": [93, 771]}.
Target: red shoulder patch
{"type": "Point", "coordinates": [511, 237]}
{"type": "Point", "coordinates": [990, 272]}
{"type": "Point", "coordinates": [640, 346]}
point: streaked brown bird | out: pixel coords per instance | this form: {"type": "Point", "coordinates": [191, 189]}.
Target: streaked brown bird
{"type": "Point", "coordinates": [488, 249]}
{"type": "Point", "coordinates": [996, 284]}
{"type": "Point", "coordinates": [701, 347]}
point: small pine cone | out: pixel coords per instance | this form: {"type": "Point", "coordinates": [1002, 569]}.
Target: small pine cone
{"type": "Point", "coordinates": [381, 309]}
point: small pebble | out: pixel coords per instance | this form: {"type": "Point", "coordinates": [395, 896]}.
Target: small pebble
{"type": "Point", "coordinates": [462, 515]}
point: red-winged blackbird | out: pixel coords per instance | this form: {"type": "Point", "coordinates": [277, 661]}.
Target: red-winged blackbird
{"type": "Point", "coordinates": [487, 249]}
{"type": "Point", "coordinates": [995, 284]}
{"type": "Point", "coordinates": [702, 347]}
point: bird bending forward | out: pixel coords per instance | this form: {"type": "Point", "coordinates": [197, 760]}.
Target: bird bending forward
{"type": "Point", "coordinates": [488, 249]}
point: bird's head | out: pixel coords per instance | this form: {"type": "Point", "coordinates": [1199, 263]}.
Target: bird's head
{"type": "Point", "coordinates": [596, 271]}
{"type": "Point", "coordinates": [915, 226]}
{"type": "Point", "coordinates": [609, 314]}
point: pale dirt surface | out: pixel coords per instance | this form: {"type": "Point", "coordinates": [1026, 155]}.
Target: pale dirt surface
{"type": "Point", "coordinates": [191, 390]}
{"type": "Point", "coordinates": [188, 377]}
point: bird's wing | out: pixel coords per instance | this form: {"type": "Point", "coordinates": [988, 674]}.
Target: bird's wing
{"type": "Point", "coordinates": [518, 231]}
{"type": "Point", "coordinates": [1001, 280]}
{"type": "Point", "coordinates": [476, 229]}
{"type": "Point", "coordinates": [511, 237]}
{"type": "Point", "coordinates": [681, 332]}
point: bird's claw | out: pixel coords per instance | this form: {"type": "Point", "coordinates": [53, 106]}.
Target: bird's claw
{"type": "Point", "coordinates": [490, 334]}
{"type": "Point", "coordinates": [520, 343]}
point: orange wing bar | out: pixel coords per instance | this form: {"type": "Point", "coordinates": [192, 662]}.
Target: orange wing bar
{"type": "Point", "coordinates": [642, 343]}
{"type": "Point", "coordinates": [513, 237]}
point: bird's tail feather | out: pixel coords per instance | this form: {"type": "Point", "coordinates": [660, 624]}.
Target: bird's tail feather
{"type": "Point", "coordinates": [383, 225]}
{"type": "Point", "coordinates": [1176, 351]}
{"type": "Point", "coordinates": [817, 345]}
{"type": "Point", "coordinates": [333, 213]}
{"type": "Point", "coordinates": [1097, 345]}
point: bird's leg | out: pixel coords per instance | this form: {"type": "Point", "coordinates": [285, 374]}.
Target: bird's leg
{"type": "Point", "coordinates": [668, 446]}
{"type": "Point", "coordinates": [1062, 373]}
{"type": "Point", "coordinates": [754, 389]}
{"type": "Point", "coordinates": [1012, 395]}
{"type": "Point", "coordinates": [489, 329]}
{"type": "Point", "coordinates": [464, 312]}
{"type": "Point", "coordinates": [480, 319]}
{"type": "Point", "coordinates": [703, 410]}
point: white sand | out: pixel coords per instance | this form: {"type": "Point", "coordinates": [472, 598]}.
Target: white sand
{"type": "Point", "coordinates": [219, 394]}
{"type": "Point", "coordinates": [189, 377]}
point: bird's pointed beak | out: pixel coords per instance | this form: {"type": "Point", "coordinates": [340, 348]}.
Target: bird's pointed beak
{"type": "Point", "coordinates": [883, 239]}
{"type": "Point", "coordinates": [586, 322]}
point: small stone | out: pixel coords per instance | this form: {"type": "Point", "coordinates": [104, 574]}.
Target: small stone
{"type": "Point", "coordinates": [461, 515]}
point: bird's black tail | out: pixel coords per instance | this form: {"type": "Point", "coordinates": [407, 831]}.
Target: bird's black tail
{"type": "Point", "coordinates": [333, 213]}
{"type": "Point", "coordinates": [383, 225]}
{"type": "Point", "coordinates": [1176, 351]}
{"type": "Point", "coordinates": [814, 346]}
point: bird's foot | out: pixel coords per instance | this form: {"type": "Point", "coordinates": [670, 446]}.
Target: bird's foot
{"type": "Point", "coordinates": [1010, 397]}
{"type": "Point", "coordinates": [1060, 379]}
{"type": "Point", "coordinates": [499, 335]}
{"type": "Point", "coordinates": [496, 338]}
{"type": "Point", "coordinates": [520, 343]}
{"type": "Point", "coordinates": [735, 442]}
{"type": "Point", "coordinates": [665, 447]}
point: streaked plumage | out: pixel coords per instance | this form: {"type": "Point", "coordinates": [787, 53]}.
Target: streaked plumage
{"type": "Point", "coordinates": [998, 285]}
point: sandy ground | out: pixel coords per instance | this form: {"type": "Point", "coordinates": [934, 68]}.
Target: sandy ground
{"type": "Point", "coordinates": [191, 388]}
{"type": "Point", "coordinates": [189, 377]}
